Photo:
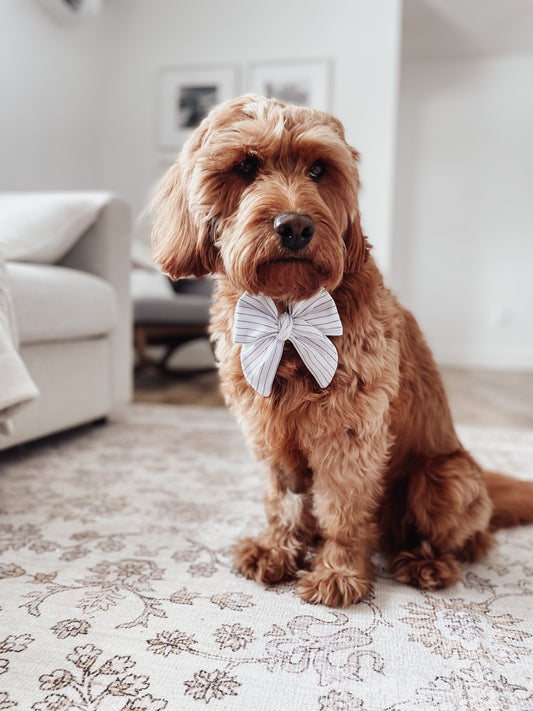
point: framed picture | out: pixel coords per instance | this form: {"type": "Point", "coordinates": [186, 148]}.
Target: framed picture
{"type": "Point", "coordinates": [305, 83]}
{"type": "Point", "coordinates": [186, 95]}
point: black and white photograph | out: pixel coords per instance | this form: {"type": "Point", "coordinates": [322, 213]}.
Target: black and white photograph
{"type": "Point", "coordinates": [186, 95]}
{"type": "Point", "coordinates": [303, 83]}
{"type": "Point", "coordinates": [193, 103]}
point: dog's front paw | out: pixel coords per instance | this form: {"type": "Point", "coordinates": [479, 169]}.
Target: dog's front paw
{"type": "Point", "coordinates": [264, 564]}
{"type": "Point", "coordinates": [333, 588]}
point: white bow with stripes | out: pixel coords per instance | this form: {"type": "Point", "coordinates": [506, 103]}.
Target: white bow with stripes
{"type": "Point", "coordinates": [306, 324]}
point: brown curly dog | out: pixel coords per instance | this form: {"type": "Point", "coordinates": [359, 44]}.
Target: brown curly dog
{"type": "Point", "coordinates": [265, 196]}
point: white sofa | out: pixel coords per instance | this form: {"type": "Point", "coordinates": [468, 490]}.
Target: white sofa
{"type": "Point", "coordinates": [73, 313]}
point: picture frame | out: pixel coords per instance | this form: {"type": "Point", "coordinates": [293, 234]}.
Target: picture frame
{"type": "Point", "coordinates": [303, 82]}
{"type": "Point", "coordinates": [186, 95]}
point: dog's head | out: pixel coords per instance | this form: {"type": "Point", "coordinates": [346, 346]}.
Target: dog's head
{"type": "Point", "coordinates": [266, 194]}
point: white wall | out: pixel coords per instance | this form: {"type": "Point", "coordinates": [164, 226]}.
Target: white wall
{"type": "Point", "coordinates": [360, 36]}
{"type": "Point", "coordinates": [463, 223]}
{"type": "Point", "coordinates": [50, 100]}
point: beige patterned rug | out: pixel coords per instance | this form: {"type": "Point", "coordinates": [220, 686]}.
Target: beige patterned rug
{"type": "Point", "coordinates": [117, 591]}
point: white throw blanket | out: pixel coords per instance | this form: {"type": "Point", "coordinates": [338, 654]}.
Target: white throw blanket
{"type": "Point", "coordinates": [16, 385]}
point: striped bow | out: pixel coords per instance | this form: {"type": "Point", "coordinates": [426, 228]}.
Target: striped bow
{"type": "Point", "coordinates": [262, 333]}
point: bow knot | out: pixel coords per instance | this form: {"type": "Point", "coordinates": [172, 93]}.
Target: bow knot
{"type": "Point", "coordinates": [306, 324]}
{"type": "Point", "coordinates": [285, 326]}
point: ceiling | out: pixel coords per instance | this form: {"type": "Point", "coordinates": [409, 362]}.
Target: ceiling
{"type": "Point", "coordinates": [448, 29]}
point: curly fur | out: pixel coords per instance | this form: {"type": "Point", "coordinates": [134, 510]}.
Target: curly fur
{"type": "Point", "coordinates": [372, 461]}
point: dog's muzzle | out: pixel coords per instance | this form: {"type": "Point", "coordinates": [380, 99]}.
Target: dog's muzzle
{"type": "Point", "coordinates": [295, 230]}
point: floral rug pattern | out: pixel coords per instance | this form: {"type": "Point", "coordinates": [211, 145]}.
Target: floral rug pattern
{"type": "Point", "coordinates": [117, 591]}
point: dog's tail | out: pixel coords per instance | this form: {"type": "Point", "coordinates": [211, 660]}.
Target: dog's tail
{"type": "Point", "coordinates": [512, 500]}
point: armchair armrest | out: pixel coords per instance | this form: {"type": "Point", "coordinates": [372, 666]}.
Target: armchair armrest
{"type": "Point", "coordinates": [104, 250]}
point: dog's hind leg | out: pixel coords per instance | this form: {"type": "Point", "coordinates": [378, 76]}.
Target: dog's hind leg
{"type": "Point", "coordinates": [279, 551]}
{"type": "Point", "coordinates": [449, 509]}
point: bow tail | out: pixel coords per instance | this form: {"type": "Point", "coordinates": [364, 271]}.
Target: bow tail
{"type": "Point", "coordinates": [260, 362]}
{"type": "Point", "coordinates": [319, 355]}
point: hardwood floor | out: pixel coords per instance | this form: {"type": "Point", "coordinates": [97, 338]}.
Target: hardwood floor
{"type": "Point", "coordinates": [485, 398]}
{"type": "Point", "coordinates": [201, 389]}
{"type": "Point", "coordinates": [182, 385]}
{"type": "Point", "coordinates": [490, 398]}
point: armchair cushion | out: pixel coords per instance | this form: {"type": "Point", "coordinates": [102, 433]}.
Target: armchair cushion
{"type": "Point", "coordinates": [41, 227]}
{"type": "Point", "coordinates": [54, 303]}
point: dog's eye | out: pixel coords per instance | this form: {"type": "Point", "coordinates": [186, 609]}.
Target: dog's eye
{"type": "Point", "coordinates": [248, 167]}
{"type": "Point", "coordinates": [317, 170]}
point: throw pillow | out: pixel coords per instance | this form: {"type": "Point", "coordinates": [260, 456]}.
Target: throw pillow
{"type": "Point", "coordinates": [42, 227]}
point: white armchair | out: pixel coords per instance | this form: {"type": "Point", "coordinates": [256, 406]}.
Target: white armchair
{"type": "Point", "coordinates": [74, 322]}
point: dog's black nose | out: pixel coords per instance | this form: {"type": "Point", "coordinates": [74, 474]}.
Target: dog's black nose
{"type": "Point", "coordinates": [295, 229]}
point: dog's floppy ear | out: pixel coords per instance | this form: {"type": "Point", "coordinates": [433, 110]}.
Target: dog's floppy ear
{"type": "Point", "coordinates": [182, 244]}
{"type": "Point", "coordinates": [357, 247]}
